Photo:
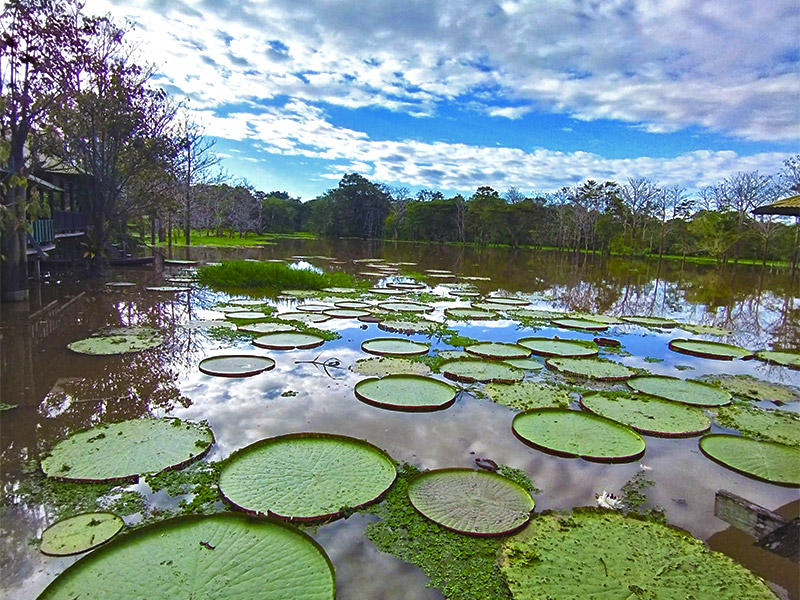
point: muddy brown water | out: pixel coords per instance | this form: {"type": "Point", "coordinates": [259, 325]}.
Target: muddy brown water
{"type": "Point", "coordinates": [761, 306]}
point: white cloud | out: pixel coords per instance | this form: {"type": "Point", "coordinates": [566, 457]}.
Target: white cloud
{"type": "Point", "coordinates": [303, 130]}
{"type": "Point", "coordinates": [726, 65]}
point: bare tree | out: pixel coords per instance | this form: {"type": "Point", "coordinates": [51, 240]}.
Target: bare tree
{"type": "Point", "coordinates": [197, 159]}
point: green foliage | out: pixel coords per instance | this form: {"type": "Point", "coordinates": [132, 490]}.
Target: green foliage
{"type": "Point", "coordinates": [463, 567]}
{"type": "Point", "coordinates": [271, 277]}
{"type": "Point", "coordinates": [634, 498]}
{"type": "Point", "coordinates": [199, 479]}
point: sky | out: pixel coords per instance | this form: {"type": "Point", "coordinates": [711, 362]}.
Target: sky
{"type": "Point", "coordinates": [456, 94]}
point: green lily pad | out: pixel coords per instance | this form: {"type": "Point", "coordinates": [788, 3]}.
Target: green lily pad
{"type": "Point", "coordinates": [389, 365]}
{"type": "Point", "coordinates": [489, 307]}
{"type": "Point", "coordinates": [705, 329]}
{"type": "Point", "coordinates": [583, 324]}
{"type": "Point", "coordinates": [505, 301]}
{"type": "Point", "coordinates": [236, 365]}
{"type": "Point", "coordinates": [469, 314]}
{"type": "Point", "coordinates": [526, 364]}
{"type": "Point", "coordinates": [451, 354]}
{"type": "Point", "coordinates": [313, 308]}
{"type": "Point", "coordinates": [706, 349]}
{"type": "Point", "coordinates": [303, 317]}
{"type": "Point", "coordinates": [246, 315]}
{"type": "Point", "coordinates": [266, 327]}
{"type": "Point", "coordinates": [306, 475]}
{"type": "Point", "coordinates": [784, 359]}
{"type": "Point", "coordinates": [119, 340]}
{"type": "Point", "coordinates": [403, 326]}
{"type": "Point", "coordinates": [168, 289]}
{"type": "Point", "coordinates": [498, 350]}
{"type": "Point", "coordinates": [288, 340]}
{"type": "Point", "coordinates": [180, 263]}
{"type": "Point", "coordinates": [778, 426]}
{"type": "Point", "coordinates": [386, 291]}
{"type": "Point", "coordinates": [346, 313]}
{"type": "Point", "coordinates": [405, 285]}
{"type": "Point", "coordinates": [120, 284]}
{"type": "Point", "coordinates": [526, 395]}
{"type": "Point", "coordinates": [657, 322]}
{"type": "Point", "coordinates": [358, 304]}
{"type": "Point", "coordinates": [207, 324]}
{"type": "Point", "coordinates": [686, 391]}
{"type": "Point", "coordinates": [80, 533]}
{"type": "Point", "coordinates": [246, 302]}
{"type": "Point", "coordinates": [573, 433]}
{"type": "Point", "coordinates": [607, 319]}
{"type": "Point", "coordinates": [592, 368]}
{"type": "Point", "coordinates": [470, 370]}
{"type": "Point", "coordinates": [536, 314]}
{"type": "Point", "coordinates": [750, 387]}
{"type": "Point", "coordinates": [471, 502]}
{"type": "Point", "coordinates": [411, 307]}
{"type": "Point", "coordinates": [404, 392]}
{"type": "Point", "coordinates": [594, 553]}
{"type": "Point", "coordinates": [394, 346]}
{"type": "Point", "coordinates": [223, 556]}
{"type": "Point", "coordinates": [123, 451]}
{"type": "Point", "coordinates": [648, 414]}
{"type": "Point", "coordinates": [767, 461]}
{"type": "Point", "coordinates": [558, 347]}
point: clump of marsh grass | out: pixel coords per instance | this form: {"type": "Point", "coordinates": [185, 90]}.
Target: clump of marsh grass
{"type": "Point", "coordinates": [244, 274]}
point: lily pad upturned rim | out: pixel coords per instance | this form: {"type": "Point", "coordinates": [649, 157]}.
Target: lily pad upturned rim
{"type": "Point", "coordinates": [288, 340]}
{"type": "Point", "coordinates": [706, 440]}
{"type": "Point", "coordinates": [290, 437]}
{"type": "Point", "coordinates": [634, 381]}
{"type": "Point", "coordinates": [88, 570]}
{"type": "Point", "coordinates": [581, 324]}
{"type": "Point", "coordinates": [451, 519]}
{"type": "Point", "coordinates": [267, 364]}
{"type": "Point", "coordinates": [781, 358]}
{"type": "Point", "coordinates": [593, 457]}
{"type": "Point", "coordinates": [645, 321]}
{"type": "Point", "coordinates": [574, 367]}
{"type": "Point", "coordinates": [48, 546]}
{"type": "Point", "coordinates": [707, 349]}
{"type": "Point", "coordinates": [582, 348]}
{"type": "Point", "coordinates": [130, 475]}
{"type": "Point", "coordinates": [413, 347]}
{"type": "Point", "coordinates": [408, 378]}
{"type": "Point", "coordinates": [469, 314]}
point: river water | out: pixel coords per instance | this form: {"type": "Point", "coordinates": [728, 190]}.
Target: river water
{"type": "Point", "coordinates": [761, 306]}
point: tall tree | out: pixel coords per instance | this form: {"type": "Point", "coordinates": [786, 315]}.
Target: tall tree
{"type": "Point", "coordinates": [196, 159]}
{"type": "Point", "coordinates": [39, 40]}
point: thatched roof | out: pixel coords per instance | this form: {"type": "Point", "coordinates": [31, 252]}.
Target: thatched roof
{"type": "Point", "coordinates": [788, 206]}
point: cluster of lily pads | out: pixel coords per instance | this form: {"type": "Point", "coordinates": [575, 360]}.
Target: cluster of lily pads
{"type": "Point", "coordinates": [256, 551]}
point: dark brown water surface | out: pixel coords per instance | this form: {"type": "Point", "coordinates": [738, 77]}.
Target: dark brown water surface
{"type": "Point", "coordinates": [58, 392]}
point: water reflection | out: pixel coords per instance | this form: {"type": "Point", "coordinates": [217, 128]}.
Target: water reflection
{"type": "Point", "coordinates": [58, 392]}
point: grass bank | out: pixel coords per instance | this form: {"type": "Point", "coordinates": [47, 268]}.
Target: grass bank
{"type": "Point", "coordinates": [232, 240]}
{"type": "Point", "coordinates": [274, 277]}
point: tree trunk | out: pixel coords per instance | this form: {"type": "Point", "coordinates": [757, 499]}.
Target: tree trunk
{"type": "Point", "coordinates": [14, 270]}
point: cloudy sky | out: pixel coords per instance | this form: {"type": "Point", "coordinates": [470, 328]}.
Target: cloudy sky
{"type": "Point", "coordinates": [454, 94]}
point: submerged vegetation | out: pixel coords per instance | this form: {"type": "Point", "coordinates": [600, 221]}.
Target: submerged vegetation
{"type": "Point", "coordinates": [272, 277]}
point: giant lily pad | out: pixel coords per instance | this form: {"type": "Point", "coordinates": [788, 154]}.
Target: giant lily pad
{"type": "Point", "coordinates": [346, 313]}
{"type": "Point", "coordinates": [236, 365]}
{"type": "Point", "coordinates": [313, 308]}
{"type": "Point", "coordinates": [288, 340]}
{"type": "Point", "coordinates": [80, 533]}
{"type": "Point", "coordinates": [411, 307]}
{"type": "Point", "coordinates": [706, 349]}
{"type": "Point", "coordinates": [784, 359]}
{"type": "Point", "coordinates": [306, 475]}
{"type": "Point", "coordinates": [767, 461]}
{"type": "Point", "coordinates": [119, 340]}
{"type": "Point", "coordinates": [506, 301]}
{"type": "Point", "coordinates": [525, 395]}
{"type": "Point", "coordinates": [498, 350]}
{"type": "Point", "coordinates": [758, 389]}
{"type": "Point", "coordinates": [469, 314]}
{"type": "Point", "coordinates": [406, 326]}
{"type": "Point", "coordinates": [536, 314]}
{"type": "Point", "coordinates": [394, 346]}
{"type": "Point", "coordinates": [607, 319]}
{"type": "Point", "coordinates": [657, 322]}
{"type": "Point", "coordinates": [705, 329]}
{"type": "Point", "coordinates": [526, 364]}
{"type": "Point", "coordinates": [778, 426]}
{"type": "Point", "coordinates": [223, 556]}
{"type": "Point", "coordinates": [411, 393]}
{"type": "Point", "coordinates": [303, 317]}
{"type": "Point", "coordinates": [265, 327]}
{"type": "Point", "coordinates": [123, 451]}
{"type": "Point", "coordinates": [679, 390]}
{"type": "Point", "coordinates": [573, 433]}
{"type": "Point", "coordinates": [470, 370]}
{"type": "Point", "coordinates": [246, 315]}
{"type": "Point", "coordinates": [592, 368]}
{"type": "Point", "coordinates": [584, 324]}
{"type": "Point", "coordinates": [558, 347]}
{"type": "Point", "coordinates": [472, 502]}
{"type": "Point", "coordinates": [389, 365]}
{"type": "Point", "coordinates": [604, 554]}
{"type": "Point", "coordinates": [355, 304]}
{"type": "Point", "coordinates": [648, 414]}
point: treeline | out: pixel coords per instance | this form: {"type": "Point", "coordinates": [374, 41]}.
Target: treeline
{"type": "Point", "coordinates": [639, 217]}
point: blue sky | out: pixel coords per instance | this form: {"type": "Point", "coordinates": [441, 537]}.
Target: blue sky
{"type": "Point", "coordinates": [453, 95]}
